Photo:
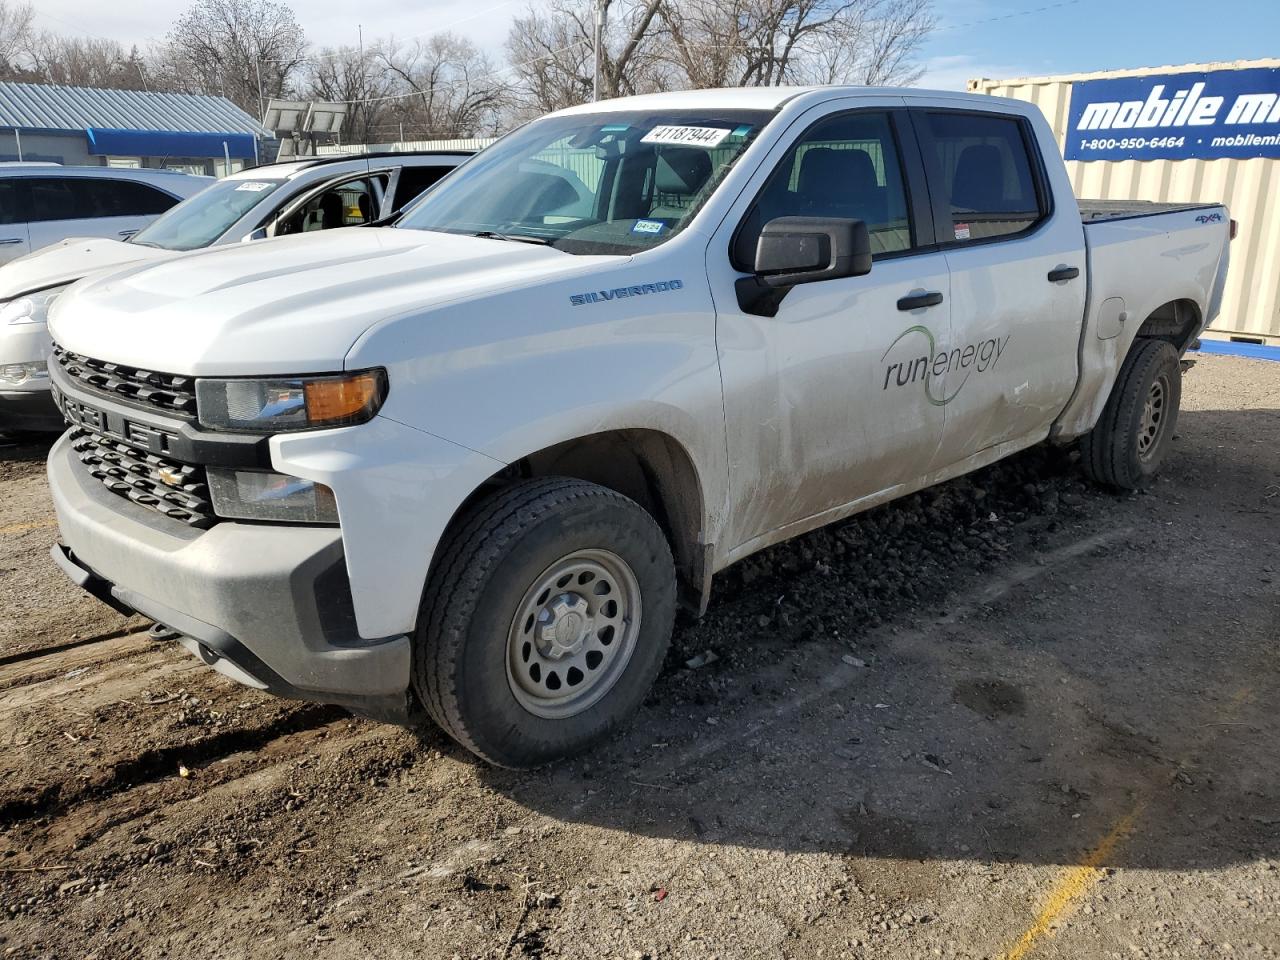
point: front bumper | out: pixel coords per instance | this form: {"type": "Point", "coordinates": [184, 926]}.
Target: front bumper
{"type": "Point", "coordinates": [30, 410]}
{"type": "Point", "coordinates": [269, 605]}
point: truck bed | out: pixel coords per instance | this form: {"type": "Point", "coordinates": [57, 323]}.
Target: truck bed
{"type": "Point", "coordinates": [1096, 211]}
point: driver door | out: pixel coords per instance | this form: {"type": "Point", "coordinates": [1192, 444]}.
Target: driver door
{"type": "Point", "coordinates": [829, 404]}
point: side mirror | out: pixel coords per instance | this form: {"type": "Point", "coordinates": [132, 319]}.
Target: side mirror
{"type": "Point", "coordinates": [259, 234]}
{"type": "Point", "coordinates": [795, 250]}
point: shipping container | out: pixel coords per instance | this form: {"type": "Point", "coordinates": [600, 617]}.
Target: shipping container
{"type": "Point", "coordinates": [1251, 306]}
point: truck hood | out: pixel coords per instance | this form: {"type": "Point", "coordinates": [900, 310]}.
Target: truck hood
{"type": "Point", "coordinates": [291, 305]}
{"type": "Point", "coordinates": [67, 261]}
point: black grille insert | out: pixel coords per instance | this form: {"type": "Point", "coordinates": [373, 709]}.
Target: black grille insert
{"type": "Point", "coordinates": [144, 388]}
{"type": "Point", "coordinates": [177, 490]}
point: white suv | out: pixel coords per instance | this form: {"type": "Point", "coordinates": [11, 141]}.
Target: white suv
{"type": "Point", "coordinates": [275, 200]}
{"type": "Point", "coordinates": [42, 203]}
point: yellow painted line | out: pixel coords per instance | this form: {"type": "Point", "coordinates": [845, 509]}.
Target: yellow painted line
{"type": "Point", "coordinates": [24, 527]}
{"type": "Point", "coordinates": [1074, 883]}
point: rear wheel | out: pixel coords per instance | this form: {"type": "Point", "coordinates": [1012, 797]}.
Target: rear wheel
{"type": "Point", "coordinates": [545, 621]}
{"type": "Point", "coordinates": [1132, 436]}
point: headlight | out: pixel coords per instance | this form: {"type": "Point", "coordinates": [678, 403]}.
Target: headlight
{"type": "Point", "coordinates": [33, 308]}
{"type": "Point", "coordinates": [18, 373]}
{"type": "Point", "coordinates": [264, 495]}
{"type": "Point", "coordinates": [290, 403]}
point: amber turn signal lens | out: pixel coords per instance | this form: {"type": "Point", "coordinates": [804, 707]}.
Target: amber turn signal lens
{"type": "Point", "coordinates": [343, 400]}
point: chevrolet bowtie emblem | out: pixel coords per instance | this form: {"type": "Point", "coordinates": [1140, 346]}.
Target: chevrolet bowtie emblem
{"type": "Point", "coordinates": [170, 476]}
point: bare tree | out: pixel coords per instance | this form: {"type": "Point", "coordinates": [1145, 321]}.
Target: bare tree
{"type": "Point", "coordinates": [359, 79]}
{"type": "Point", "coordinates": [659, 44]}
{"type": "Point", "coordinates": [83, 62]}
{"type": "Point", "coordinates": [219, 47]}
{"type": "Point", "coordinates": [445, 85]}
{"type": "Point", "coordinates": [877, 47]}
{"type": "Point", "coordinates": [15, 32]}
{"type": "Point", "coordinates": [551, 52]}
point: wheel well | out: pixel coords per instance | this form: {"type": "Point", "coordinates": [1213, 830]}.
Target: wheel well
{"type": "Point", "coordinates": [647, 466]}
{"type": "Point", "coordinates": [1176, 322]}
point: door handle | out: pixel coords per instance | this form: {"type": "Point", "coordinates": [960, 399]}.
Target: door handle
{"type": "Point", "coordinates": [1063, 273]}
{"type": "Point", "coordinates": [10, 240]}
{"type": "Point", "coordinates": [918, 300]}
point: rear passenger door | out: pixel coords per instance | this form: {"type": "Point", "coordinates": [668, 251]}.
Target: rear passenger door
{"type": "Point", "coordinates": [64, 207]}
{"type": "Point", "coordinates": [1012, 362]}
{"type": "Point", "coordinates": [14, 236]}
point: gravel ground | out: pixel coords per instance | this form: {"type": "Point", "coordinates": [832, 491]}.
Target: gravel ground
{"type": "Point", "coordinates": [1009, 717]}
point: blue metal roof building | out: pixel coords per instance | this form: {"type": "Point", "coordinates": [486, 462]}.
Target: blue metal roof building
{"type": "Point", "coordinates": [86, 125]}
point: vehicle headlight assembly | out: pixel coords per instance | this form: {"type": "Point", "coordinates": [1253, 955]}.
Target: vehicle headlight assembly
{"type": "Point", "coordinates": [284, 404]}
{"type": "Point", "coordinates": [266, 495]}
{"type": "Point", "coordinates": [32, 308]}
{"type": "Point", "coordinates": [20, 373]}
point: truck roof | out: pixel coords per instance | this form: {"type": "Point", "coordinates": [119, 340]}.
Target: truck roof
{"type": "Point", "coordinates": [765, 98]}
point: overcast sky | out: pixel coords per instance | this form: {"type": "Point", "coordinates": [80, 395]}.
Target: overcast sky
{"type": "Point", "coordinates": [1000, 39]}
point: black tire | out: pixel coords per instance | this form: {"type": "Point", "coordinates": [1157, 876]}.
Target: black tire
{"type": "Point", "coordinates": [489, 564]}
{"type": "Point", "coordinates": [1124, 450]}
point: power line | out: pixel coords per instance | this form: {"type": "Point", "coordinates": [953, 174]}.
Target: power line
{"type": "Point", "coordinates": [1008, 16]}
{"type": "Point", "coordinates": [445, 28]}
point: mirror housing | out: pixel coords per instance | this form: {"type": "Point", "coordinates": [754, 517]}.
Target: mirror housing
{"type": "Point", "coordinates": [259, 234]}
{"type": "Point", "coordinates": [795, 250]}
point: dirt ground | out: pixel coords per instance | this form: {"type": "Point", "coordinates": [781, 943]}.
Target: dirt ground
{"type": "Point", "coordinates": [1011, 717]}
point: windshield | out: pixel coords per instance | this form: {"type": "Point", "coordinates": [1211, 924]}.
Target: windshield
{"type": "Point", "coordinates": [202, 219]}
{"type": "Point", "coordinates": [611, 183]}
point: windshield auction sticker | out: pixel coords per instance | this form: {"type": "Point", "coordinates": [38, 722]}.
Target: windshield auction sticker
{"type": "Point", "coordinates": [254, 186]}
{"type": "Point", "coordinates": [686, 136]}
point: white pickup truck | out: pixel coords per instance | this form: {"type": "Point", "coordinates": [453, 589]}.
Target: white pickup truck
{"type": "Point", "coordinates": [474, 461]}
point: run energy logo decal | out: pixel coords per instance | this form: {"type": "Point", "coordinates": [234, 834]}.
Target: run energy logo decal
{"type": "Point", "coordinates": [619, 293]}
{"type": "Point", "coordinates": [970, 359]}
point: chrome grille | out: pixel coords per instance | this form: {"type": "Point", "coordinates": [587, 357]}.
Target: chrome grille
{"type": "Point", "coordinates": [177, 490]}
{"type": "Point", "coordinates": [144, 388]}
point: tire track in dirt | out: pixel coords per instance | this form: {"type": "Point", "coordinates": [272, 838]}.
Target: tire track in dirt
{"type": "Point", "coordinates": [24, 656]}
{"type": "Point", "coordinates": [157, 763]}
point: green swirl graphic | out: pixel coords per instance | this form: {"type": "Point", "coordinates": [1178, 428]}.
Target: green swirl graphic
{"type": "Point", "coordinates": [928, 374]}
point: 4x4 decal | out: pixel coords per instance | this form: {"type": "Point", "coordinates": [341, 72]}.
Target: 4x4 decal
{"type": "Point", "coordinates": [971, 358]}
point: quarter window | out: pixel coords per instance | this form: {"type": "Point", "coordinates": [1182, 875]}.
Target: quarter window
{"type": "Point", "coordinates": [986, 173]}
{"type": "Point", "coordinates": [846, 166]}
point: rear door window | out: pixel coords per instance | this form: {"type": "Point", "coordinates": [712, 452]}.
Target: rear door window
{"type": "Point", "coordinates": [986, 172]}
{"type": "Point", "coordinates": [87, 198]}
{"type": "Point", "coordinates": [413, 180]}
{"type": "Point", "coordinates": [52, 199]}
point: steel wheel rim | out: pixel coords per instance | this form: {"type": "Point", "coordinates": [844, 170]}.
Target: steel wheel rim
{"type": "Point", "coordinates": [1153, 417]}
{"type": "Point", "coordinates": [573, 633]}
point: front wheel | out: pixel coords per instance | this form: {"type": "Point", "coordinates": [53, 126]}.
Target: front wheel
{"type": "Point", "coordinates": [545, 621]}
{"type": "Point", "coordinates": [1126, 447]}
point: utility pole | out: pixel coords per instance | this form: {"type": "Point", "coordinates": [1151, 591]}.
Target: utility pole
{"type": "Point", "coordinates": [364, 90]}
{"type": "Point", "coordinates": [262, 104]}
{"type": "Point", "coordinates": [602, 7]}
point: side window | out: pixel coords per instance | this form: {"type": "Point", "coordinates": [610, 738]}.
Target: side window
{"type": "Point", "coordinates": [846, 166]}
{"type": "Point", "coordinates": [83, 198]}
{"type": "Point", "coordinates": [52, 199]}
{"type": "Point", "coordinates": [347, 204]}
{"type": "Point", "coordinates": [127, 198]}
{"type": "Point", "coordinates": [12, 207]}
{"type": "Point", "coordinates": [413, 180]}
{"type": "Point", "coordinates": [986, 174]}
